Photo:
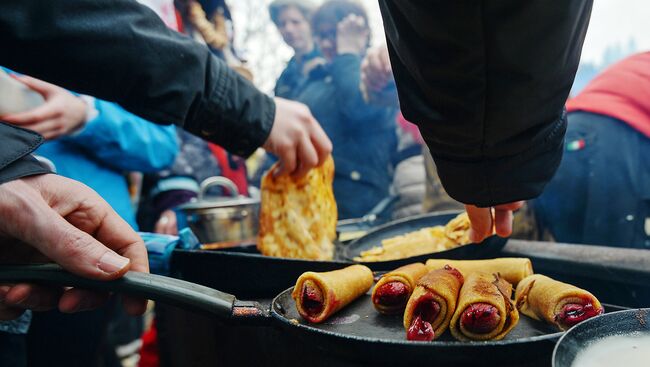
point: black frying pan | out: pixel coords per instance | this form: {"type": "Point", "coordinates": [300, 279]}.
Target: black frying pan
{"type": "Point", "coordinates": [490, 247]}
{"type": "Point", "coordinates": [356, 333]}
{"type": "Point", "coordinates": [628, 322]}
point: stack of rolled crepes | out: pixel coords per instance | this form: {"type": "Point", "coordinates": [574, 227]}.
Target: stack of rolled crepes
{"type": "Point", "coordinates": [432, 304]}
{"type": "Point", "coordinates": [512, 269]}
{"type": "Point", "coordinates": [485, 310]}
{"type": "Point", "coordinates": [319, 295]}
{"type": "Point", "coordinates": [392, 291]}
{"type": "Point", "coordinates": [557, 303]}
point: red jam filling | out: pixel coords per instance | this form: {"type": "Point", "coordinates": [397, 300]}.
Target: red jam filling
{"type": "Point", "coordinates": [573, 313]}
{"type": "Point", "coordinates": [392, 294]}
{"type": "Point", "coordinates": [480, 318]}
{"type": "Point", "coordinates": [312, 299]}
{"type": "Point", "coordinates": [425, 313]}
{"type": "Point", "coordinates": [420, 330]}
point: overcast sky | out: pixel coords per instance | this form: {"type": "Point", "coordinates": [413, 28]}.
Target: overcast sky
{"type": "Point", "coordinates": [612, 22]}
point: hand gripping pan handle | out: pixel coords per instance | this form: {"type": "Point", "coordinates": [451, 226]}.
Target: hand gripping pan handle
{"type": "Point", "coordinates": [189, 296]}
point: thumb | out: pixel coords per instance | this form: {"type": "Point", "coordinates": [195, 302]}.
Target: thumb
{"type": "Point", "coordinates": [75, 250]}
{"type": "Point", "coordinates": [37, 85]}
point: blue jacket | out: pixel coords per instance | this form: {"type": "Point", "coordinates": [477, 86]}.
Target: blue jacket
{"type": "Point", "coordinates": [112, 143]}
{"type": "Point", "coordinates": [292, 78]}
{"type": "Point", "coordinates": [363, 135]}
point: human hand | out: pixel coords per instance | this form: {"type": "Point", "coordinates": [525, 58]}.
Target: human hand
{"type": "Point", "coordinates": [52, 218]}
{"type": "Point", "coordinates": [297, 139]}
{"type": "Point", "coordinates": [352, 35]}
{"type": "Point", "coordinates": [483, 221]}
{"type": "Point", "coordinates": [376, 71]}
{"type": "Point", "coordinates": [167, 224]}
{"type": "Point", "coordinates": [61, 113]}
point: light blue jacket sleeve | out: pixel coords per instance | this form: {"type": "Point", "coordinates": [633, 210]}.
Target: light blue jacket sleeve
{"type": "Point", "coordinates": [125, 141]}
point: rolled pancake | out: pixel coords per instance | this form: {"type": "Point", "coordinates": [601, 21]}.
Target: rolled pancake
{"type": "Point", "coordinates": [432, 304]}
{"type": "Point", "coordinates": [485, 311]}
{"type": "Point", "coordinates": [320, 295]}
{"type": "Point", "coordinates": [512, 269]}
{"type": "Point", "coordinates": [555, 302]}
{"type": "Point", "coordinates": [392, 291]}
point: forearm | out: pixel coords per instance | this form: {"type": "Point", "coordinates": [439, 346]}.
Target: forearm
{"type": "Point", "coordinates": [125, 141]}
{"type": "Point", "coordinates": [148, 69]}
{"type": "Point", "coordinates": [487, 92]}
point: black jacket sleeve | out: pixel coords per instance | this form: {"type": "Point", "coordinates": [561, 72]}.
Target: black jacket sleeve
{"type": "Point", "coordinates": [15, 158]}
{"type": "Point", "coordinates": [120, 51]}
{"type": "Point", "coordinates": [486, 81]}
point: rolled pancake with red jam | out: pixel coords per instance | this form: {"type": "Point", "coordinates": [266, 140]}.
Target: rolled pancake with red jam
{"type": "Point", "coordinates": [432, 304]}
{"type": "Point", "coordinates": [319, 295]}
{"type": "Point", "coordinates": [557, 303]}
{"type": "Point", "coordinates": [392, 291]}
{"type": "Point", "coordinates": [485, 310]}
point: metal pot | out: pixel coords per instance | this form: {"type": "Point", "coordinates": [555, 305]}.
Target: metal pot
{"type": "Point", "coordinates": [222, 219]}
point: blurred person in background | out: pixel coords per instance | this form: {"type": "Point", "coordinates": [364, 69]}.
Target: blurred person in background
{"type": "Point", "coordinates": [363, 135]}
{"type": "Point", "coordinates": [97, 143]}
{"type": "Point", "coordinates": [293, 20]}
{"type": "Point", "coordinates": [601, 192]}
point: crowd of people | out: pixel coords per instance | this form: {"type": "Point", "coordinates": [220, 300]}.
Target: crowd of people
{"type": "Point", "coordinates": [425, 121]}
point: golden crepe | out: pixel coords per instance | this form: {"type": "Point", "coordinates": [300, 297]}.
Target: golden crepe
{"type": "Point", "coordinates": [485, 311]}
{"type": "Point", "coordinates": [298, 216]}
{"type": "Point", "coordinates": [392, 291]}
{"type": "Point", "coordinates": [432, 304]}
{"type": "Point", "coordinates": [319, 295]}
{"type": "Point", "coordinates": [423, 241]}
{"type": "Point", "coordinates": [557, 303]}
{"type": "Point", "coordinates": [512, 269]}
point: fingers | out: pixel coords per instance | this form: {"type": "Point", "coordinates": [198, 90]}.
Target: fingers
{"type": "Point", "coordinates": [308, 157]}
{"type": "Point", "coordinates": [321, 142]}
{"type": "Point", "coordinates": [36, 223]}
{"type": "Point", "coordinates": [41, 113]}
{"type": "Point", "coordinates": [8, 312]}
{"type": "Point", "coordinates": [77, 300]}
{"type": "Point", "coordinates": [483, 221]}
{"type": "Point", "coordinates": [503, 217]}
{"type": "Point", "coordinates": [287, 155]}
{"type": "Point", "coordinates": [480, 223]}
{"type": "Point", "coordinates": [33, 297]}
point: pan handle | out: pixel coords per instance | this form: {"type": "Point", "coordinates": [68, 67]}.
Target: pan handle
{"type": "Point", "coordinates": [172, 291]}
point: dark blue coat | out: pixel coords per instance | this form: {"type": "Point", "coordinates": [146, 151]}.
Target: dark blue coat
{"type": "Point", "coordinates": [363, 135]}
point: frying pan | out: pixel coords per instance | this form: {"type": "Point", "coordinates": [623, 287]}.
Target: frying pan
{"type": "Point", "coordinates": [629, 322]}
{"type": "Point", "coordinates": [356, 333]}
{"type": "Point", "coordinates": [490, 247]}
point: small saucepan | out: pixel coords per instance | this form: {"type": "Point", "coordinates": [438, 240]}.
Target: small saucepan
{"type": "Point", "coordinates": [219, 220]}
{"type": "Point", "coordinates": [614, 339]}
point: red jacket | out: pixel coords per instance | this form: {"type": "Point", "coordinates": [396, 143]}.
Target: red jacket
{"type": "Point", "coordinates": [621, 91]}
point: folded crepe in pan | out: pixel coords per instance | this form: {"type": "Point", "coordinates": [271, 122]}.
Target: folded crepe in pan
{"type": "Point", "coordinates": [512, 269]}
{"type": "Point", "coordinates": [484, 311]}
{"type": "Point", "coordinates": [319, 295]}
{"type": "Point", "coordinates": [392, 291]}
{"type": "Point", "coordinates": [432, 304]}
{"type": "Point", "coordinates": [555, 302]}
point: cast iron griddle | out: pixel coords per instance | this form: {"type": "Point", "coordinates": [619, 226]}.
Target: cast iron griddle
{"type": "Point", "coordinates": [358, 332]}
